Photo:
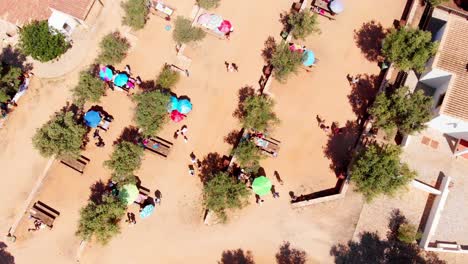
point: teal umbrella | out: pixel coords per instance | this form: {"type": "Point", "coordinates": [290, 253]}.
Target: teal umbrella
{"type": "Point", "coordinates": [261, 185]}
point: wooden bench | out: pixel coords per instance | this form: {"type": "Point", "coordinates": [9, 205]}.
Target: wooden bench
{"type": "Point", "coordinates": [44, 213]}
{"type": "Point", "coordinates": [144, 193]}
{"type": "Point", "coordinates": [105, 123]}
{"type": "Point", "coordinates": [77, 164]}
{"type": "Point", "coordinates": [159, 146]}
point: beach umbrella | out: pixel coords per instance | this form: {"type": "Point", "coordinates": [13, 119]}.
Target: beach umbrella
{"type": "Point", "coordinates": [204, 19]}
{"type": "Point", "coordinates": [173, 104]}
{"type": "Point", "coordinates": [337, 6]}
{"type": "Point", "coordinates": [92, 119]}
{"type": "Point", "coordinates": [261, 185]}
{"type": "Point", "coordinates": [128, 193]}
{"type": "Point", "coordinates": [106, 74]}
{"type": "Point", "coordinates": [147, 211]}
{"type": "Point", "coordinates": [176, 116]}
{"type": "Point", "coordinates": [225, 26]}
{"type": "Point", "coordinates": [308, 58]}
{"type": "Point", "coordinates": [121, 79]}
{"type": "Point", "coordinates": [215, 22]}
{"type": "Point", "coordinates": [184, 107]}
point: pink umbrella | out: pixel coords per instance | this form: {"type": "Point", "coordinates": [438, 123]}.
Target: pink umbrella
{"type": "Point", "coordinates": [176, 116]}
{"type": "Point", "coordinates": [225, 26]}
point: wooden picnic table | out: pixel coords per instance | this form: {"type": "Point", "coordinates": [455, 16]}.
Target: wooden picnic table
{"type": "Point", "coordinates": [159, 146]}
{"type": "Point", "coordinates": [76, 164]}
{"type": "Point", "coordinates": [269, 145]}
{"type": "Point", "coordinates": [323, 4]}
{"type": "Point", "coordinates": [43, 213]}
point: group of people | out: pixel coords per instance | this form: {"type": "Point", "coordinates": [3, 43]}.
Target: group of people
{"type": "Point", "coordinates": [38, 225]}
{"type": "Point", "coordinates": [230, 67]}
{"type": "Point", "coordinates": [100, 142]}
{"type": "Point", "coordinates": [182, 131]}
{"type": "Point", "coordinates": [335, 129]}
{"type": "Point", "coordinates": [129, 85]}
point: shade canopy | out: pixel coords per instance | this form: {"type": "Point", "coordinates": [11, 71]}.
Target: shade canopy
{"type": "Point", "coordinates": [173, 104]}
{"type": "Point", "coordinates": [128, 193]}
{"type": "Point", "coordinates": [261, 185]}
{"type": "Point", "coordinates": [147, 211]}
{"type": "Point", "coordinates": [121, 79]}
{"type": "Point", "coordinates": [105, 73]}
{"type": "Point", "coordinates": [308, 58]}
{"type": "Point", "coordinates": [176, 116]}
{"type": "Point", "coordinates": [92, 119]}
{"type": "Point", "coordinates": [214, 22]}
{"type": "Point", "coordinates": [337, 6]}
{"type": "Point", "coordinates": [225, 26]}
{"type": "Point", "coordinates": [184, 106]}
{"type": "Point", "coordinates": [204, 19]}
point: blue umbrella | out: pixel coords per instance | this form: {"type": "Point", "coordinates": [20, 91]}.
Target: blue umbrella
{"type": "Point", "coordinates": [147, 211]}
{"type": "Point", "coordinates": [121, 79]}
{"type": "Point", "coordinates": [173, 104]}
{"type": "Point", "coordinates": [92, 119]}
{"type": "Point", "coordinates": [337, 6]}
{"type": "Point", "coordinates": [105, 74]}
{"type": "Point", "coordinates": [185, 106]}
{"type": "Point", "coordinates": [308, 58]}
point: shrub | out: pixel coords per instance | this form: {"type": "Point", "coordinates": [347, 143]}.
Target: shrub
{"type": "Point", "coordinates": [167, 78]}
{"type": "Point", "coordinates": [61, 136]}
{"type": "Point", "coordinates": [114, 48]}
{"type": "Point", "coordinates": [407, 111]}
{"type": "Point", "coordinates": [208, 4]}
{"type": "Point", "coordinates": [42, 42]}
{"type": "Point", "coordinates": [223, 192]}
{"type": "Point", "coordinates": [303, 24]}
{"type": "Point", "coordinates": [151, 111]}
{"type": "Point", "coordinates": [378, 170]}
{"type": "Point", "coordinates": [89, 88]}
{"type": "Point", "coordinates": [284, 62]}
{"type": "Point", "coordinates": [409, 48]}
{"type": "Point", "coordinates": [136, 13]}
{"type": "Point", "coordinates": [408, 233]}
{"type": "Point", "coordinates": [436, 2]}
{"type": "Point", "coordinates": [248, 155]}
{"type": "Point", "coordinates": [9, 81]}
{"type": "Point", "coordinates": [101, 220]}
{"type": "Point", "coordinates": [257, 113]}
{"type": "Point", "coordinates": [125, 159]}
{"type": "Point", "coordinates": [185, 33]}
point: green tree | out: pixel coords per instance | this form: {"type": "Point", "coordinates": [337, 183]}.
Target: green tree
{"type": "Point", "coordinates": [41, 42]}
{"type": "Point", "coordinates": [436, 2]}
{"type": "Point", "coordinates": [185, 33]}
{"type": "Point", "coordinates": [409, 48]}
{"type": "Point", "coordinates": [408, 233]}
{"type": "Point", "coordinates": [378, 170]}
{"type": "Point", "coordinates": [257, 113]}
{"type": "Point", "coordinates": [248, 155]}
{"type": "Point", "coordinates": [151, 111]}
{"type": "Point", "coordinates": [407, 111]}
{"type": "Point", "coordinates": [89, 88]}
{"type": "Point", "coordinates": [284, 61]}
{"type": "Point", "coordinates": [61, 136]}
{"type": "Point", "coordinates": [125, 159]}
{"type": "Point", "coordinates": [114, 48]}
{"type": "Point", "coordinates": [208, 4]}
{"type": "Point", "coordinates": [9, 81]}
{"type": "Point", "coordinates": [223, 192]}
{"type": "Point", "coordinates": [167, 78]}
{"type": "Point", "coordinates": [303, 24]}
{"type": "Point", "coordinates": [136, 13]}
{"type": "Point", "coordinates": [101, 220]}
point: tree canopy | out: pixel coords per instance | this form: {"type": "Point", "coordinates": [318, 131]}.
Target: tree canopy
{"type": "Point", "coordinates": [407, 111]}
{"type": "Point", "coordinates": [9, 81]}
{"type": "Point", "coordinates": [223, 192]}
{"type": "Point", "coordinates": [378, 170]}
{"type": "Point", "coordinates": [167, 78]}
{"type": "Point", "coordinates": [125, 159]}
{"type": "Point", "coordinates": [408, 233]}
{"type": "Point", "coordinates": [41, 42]}
{"type": "Point", "coordinates": [89, 89]}
{"type": "Point", "coordinates": [248, 155]}
{"type": "Point", "coordinates": [101, 220]}
{"type": "Point", "coordinates": [303, 24]}
{"type": "Point", "coordinates": [257, 113]}
{"type": "Point", "coordinates": [437, 2]}
{"type": "Point", "coordinates": [185, 33]}
{"type": "Point", "coordinates": [114, 48]}
{"type": "Point", "coordinates": [208, 4]}
{"type": "Point", "coordinates": [61, 136]}
{"type": "Point", "coordinates": [409, 48]}
{"type": "Point", "coordinates": [136, 13]}
{"type": "Point", "coordinates": [151, 111]}
{"type": "Point", "coordinates": [284, 61]}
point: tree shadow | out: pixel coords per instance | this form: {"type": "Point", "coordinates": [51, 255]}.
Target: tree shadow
{"type": "Point", "coordinates": [14, 57]}
{"type": "Point", "coordinates": [129, 134]}
{"type": "Point", "coordinates": [363, 93]}
{"type": "Point", "coordinates": [244, 93]}
{"type": "Point", "coordinates": [233, 137]}
{"type": "Point", "coordinates": [147, 86]}
{"type": "Point", "coordinates": [288, 255]}
{"type": "Point", "coordinates": [369, 39]}
{"type": "Point", "coordinates": [210, 165]}
{"type": "Point", "coordinates": [394, 223]}
{"type": "Point", "coordinates": [5, 256]}
{"type": "Point", "coordinates": [97, 191]}
{"type": "Point", "coordinates": [237, 256]}
{"type": "Point", "coordinates": [269, 49]}
{"type": "Point", "coordinates": [340, 145]}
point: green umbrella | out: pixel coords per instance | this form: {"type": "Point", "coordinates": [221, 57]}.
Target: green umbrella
{"type": "Point", "coordinates": [128, 193]}
{"type": "Point", "coordinates": [261, 185]}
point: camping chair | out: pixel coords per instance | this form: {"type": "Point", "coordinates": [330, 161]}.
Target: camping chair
{"type": "Point", "coordinates": [105, 123]}
{"type": "Point", "coordinates": [78, 164]}
{"type": "Point", "coordinates": [159, 146]}
{"type": "Point", "coordinates": [269, 146]}
{"type": "Point", "coordinates": [44, 213]}
{"type": "Point", "coordinates": [143, 195]}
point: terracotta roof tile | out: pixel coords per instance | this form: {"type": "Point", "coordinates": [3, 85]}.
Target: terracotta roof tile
{"type": "Point", "coordinates": [21, 12]}
{"type": "Point", "coordinates": [76, 8]}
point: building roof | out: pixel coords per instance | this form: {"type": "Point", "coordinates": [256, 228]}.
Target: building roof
{"type": "Point", "coordinates": [75, 8]}
{"type": "Point", "coordinates": [453, 57]}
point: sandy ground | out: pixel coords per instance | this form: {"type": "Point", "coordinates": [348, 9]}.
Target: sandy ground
{"type": "Point", "coordinates": [175, 232]}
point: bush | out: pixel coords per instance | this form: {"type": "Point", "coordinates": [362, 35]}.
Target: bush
{"type": "Point", "coordinates": [257, 113]}
{"type": "Point", "coordinates": [151, 111]}
{"type": "Point", "coordinates": [208, 4]}
{"type": "Point", "coordinates": [101, 220]}
{"type": "Point", "coordinates": [61, 136]}
{"type": "Point", "coordinates": [125, 159]}
{"type": "Point", "coordinates": [167, 78]}
{"type": "Point", "coordinates": [409, 48]}
{"type": "Point", "coordinates": [303, 24]}
{"type": "Point", "coordinates": [114, 48]}
{"type": "Point", "coordinates": [378, 170]}
{"type": "Point", "coordinates": [223, 192]}
{"type": "Point", "coordinates": [248, 155]}
{"type": "Point", "coordinates": [9, 81]}
{"type": "Point", "coordinates": [185, 33]}
{"type": "Point", "coordinates": [408, 233]}
{"type": "Point", "coordinates": [284, 62]}
{"type": "Point", "coordinates": [89, 88]}
{"type": "Point", "coordinates": [407, 111]}
{"type": "Point", "coordinates": [136, 13]}
{"type": "Point", "coordinates": [42, 42]}
{"type": "Point", "coordinates": [437, 2]}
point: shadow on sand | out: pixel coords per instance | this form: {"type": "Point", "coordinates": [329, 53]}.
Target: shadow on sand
{"type": "Point", "coordinates": [237, 256]}
{"type": "Point", "coordinates": [369, 39]}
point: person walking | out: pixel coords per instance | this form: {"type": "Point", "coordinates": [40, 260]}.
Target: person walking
{"type": "Point", "coordinates": [183, 131]}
